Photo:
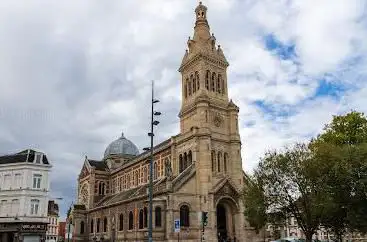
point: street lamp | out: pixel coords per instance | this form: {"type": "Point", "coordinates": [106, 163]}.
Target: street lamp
{"type": "Point", "coordinates": [151, 135]}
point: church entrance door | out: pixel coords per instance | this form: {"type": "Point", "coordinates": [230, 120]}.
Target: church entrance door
{"type": "Point", "coordinates": [226, 219]}
{"type": "Point", "coordinates": [221, 222]}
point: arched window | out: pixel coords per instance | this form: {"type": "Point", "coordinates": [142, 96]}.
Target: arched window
{"type": "Point", "coordinates": [207, 79]}
{"type": "Point", "coordinates": [219, 83]}
{"type": "Point", "coordinates": [101, 188]}
{"type": "Point", "coordinates": [92, 226]}
{"type": "Point", "coordinates": [145, 174]}
{"type": "Point", "coordinates": [128, 182]}
{"type": "Point", "coordinates": [158, 217]}
{"type": "Point", "coordinates": [145, 217]}
{"type": "Point", "coordinates": [155, 171]}
{"type": "Point", "coordinates": [180, 165]}
{"type": "Point", "coordinates": [185, 87]}
{"type": "Point", "coordinates": [213, 82]}
{"type": "Point", "coordinates": [131, 220]}
{"type": "Point", "coordinates": [193, 83]}
{"type": "Point", "coordinates": [223, 88]}
{"type": "Point", "coordinates": [136, 180]}
{"type": "Point", "coordinates": [190, 87]}
{"type": "Point", "coordinates": [82, 227]}
{"type": "Point", "coordinates": [105, 224]}
{"type": "Point", "coordinates": [185, 161]}
{"type": "Point", "coordinates": [98, 224]}
{"type": "Point", "coordinates": [197, 79]}
{"type": "Point", "coordinates": [225, 162]}
{"type": "Point", "coordinates": [121, 222]}
{"type": "Point", "coordinates": [141, 219]}
{"type": "Point", "coordinates": [213, 160]}
{"type": "Point", "coordinates": [189, 158]}
{"type": "Point", "coordinates": [184, 216]}
{"type": "Point", "coordinates": [219, 160]}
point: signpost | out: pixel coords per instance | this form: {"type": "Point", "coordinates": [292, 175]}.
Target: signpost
{"type": "Point", "coordinates": [177, 228]}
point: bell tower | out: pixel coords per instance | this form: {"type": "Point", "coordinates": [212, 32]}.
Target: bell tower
{"type": "Point", "coordinates": [203, 69]}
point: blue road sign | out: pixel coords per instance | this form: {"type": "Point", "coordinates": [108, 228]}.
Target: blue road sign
{"type": "Point", "coordinates": [177, 225]}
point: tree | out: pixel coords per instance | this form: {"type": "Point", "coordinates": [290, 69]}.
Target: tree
{"type": "Point", "coordinates": [343, 147]}
{"type": "Point", "coordinates": [288, 182]}
{"type": "Point", "coordinates": [255, 204]}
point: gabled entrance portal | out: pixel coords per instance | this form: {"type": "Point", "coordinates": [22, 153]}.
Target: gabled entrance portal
{"type": "Point", "coordinates": [226, 219]}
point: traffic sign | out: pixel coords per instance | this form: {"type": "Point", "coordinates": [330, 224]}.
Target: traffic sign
{"type": "Point", "coordinates": [177, 225]}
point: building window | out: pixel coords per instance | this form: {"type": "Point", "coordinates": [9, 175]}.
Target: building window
{"type": "Point", "coordinates": [141, 219]}
{"type": "Point", "coordinates": [82, 227]}
{"type": "Point", "coordinates": [197, 78]}
{"type": "Point", "coordinates": [92, 226]}
{"type": "Point", "coordinates": [34, 206]}
{"type": "Point", "coordinates": [189, 158]}
{"type": "Point", "coordinates": [185, 87]}
{"type": "Point", "coordinates": [213, 160]}
{"type": "Point", "coordinates": [145, 174]}
{"type": "Point", "coordinates": [155, 171]}
{"type": "Point", "coordinates": [105, 224]}
{"type": "Point", "coordinates": [2, 207]}
{"type": "Point", "coordinates": [225, 162]}
{"type": "Point", "coordinates": [185, 161]}
{"type": "Point", "coordinates": [18, 180]}
{"type": "Point", "coordinates": [37, 181]}
{"type": "Point", "coordinates": [213, 82]}
{"type": "Point", "coordinates": [219, 83]}
{"type": "Point", "coordinates": [38, 158]}
{"type": "Point", "coordinates": [207, 78]}
{"type": "Point", "coordinates": [158, 217]}
{"type": "Point", "coordinates": [7, 181]}
{"type": "Point", "coordinates": [101, 188]}
{"type": "Point", "coordinates": [184, 216]}
{"type": "Point", "coordinates": [136, 178]}
{"type": "Point", "coordinates": [219, 160]}
{"type": "Point", "coordinates": [15, 206]}
{"type": "Point", "coordinates": [180, 164]}
{"type": "Point", "coordinates": [193, 83]}
{"type": "Point", "coordinates": [131, 220]}
{"type": "Point", "coordinates": [145, 217]}
{"type": "Point", "coordinates": [98, 224]}
{"type": "Point", "coordinates": [121, 222]}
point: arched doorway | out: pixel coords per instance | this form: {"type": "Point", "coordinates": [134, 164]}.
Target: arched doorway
{"type": "Point", "coordinates": [226, 211]}
{"type": "Point", "coordinates": [221, 222]}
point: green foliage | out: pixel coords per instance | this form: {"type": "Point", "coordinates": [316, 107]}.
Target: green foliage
{"type": "Point", "coordinates": [349, 129]}
{"type": "Point", "coordinates": [320, 183]}
{"type": "Point", "coordinates": [255, 208]}
{"type": "Point", "coordinates": [287, 182]}
{"type": "Point", "coordinates": [343, 148]}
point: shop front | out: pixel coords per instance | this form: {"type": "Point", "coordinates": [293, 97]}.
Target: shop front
{"type": "Point", "coordinates": [23, 232]}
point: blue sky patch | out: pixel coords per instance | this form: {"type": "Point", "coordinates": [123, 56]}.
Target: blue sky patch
{"type": "Point", "coordinates": [282, 50]}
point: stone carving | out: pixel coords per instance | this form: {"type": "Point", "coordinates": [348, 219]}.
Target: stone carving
{"type": "Point", "coordinates": [226, 190]}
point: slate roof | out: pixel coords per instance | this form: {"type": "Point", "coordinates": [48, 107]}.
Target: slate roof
{"type": "Point", "coordinates": [99, 165]}
{"type": "Point", "coordinates": [131, 193]}
{"type": "Point", "coordinates": [21, 157]}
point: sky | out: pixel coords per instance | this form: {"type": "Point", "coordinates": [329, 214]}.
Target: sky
{"type": "Point", "coordinates": [75, 74]}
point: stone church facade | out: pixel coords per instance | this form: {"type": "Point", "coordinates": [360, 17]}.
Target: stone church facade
{"type": "Point", "coordinates": [198, 170]}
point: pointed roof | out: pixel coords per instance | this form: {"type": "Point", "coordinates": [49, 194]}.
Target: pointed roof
{"type": "Point", "coordinates": [203, 43]}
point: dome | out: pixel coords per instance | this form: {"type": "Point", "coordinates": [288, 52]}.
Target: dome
{"type": "Point", "coordinates": [121, 146]}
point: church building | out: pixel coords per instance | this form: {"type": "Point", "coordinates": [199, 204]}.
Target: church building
{"type": "Point", "coordinates": [198, 170]}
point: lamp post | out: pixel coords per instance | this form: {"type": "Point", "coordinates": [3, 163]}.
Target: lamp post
{"type": "Point", "coordinates": [151, 134]}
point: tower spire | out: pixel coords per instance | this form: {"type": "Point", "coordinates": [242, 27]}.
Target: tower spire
{"type": "Point", "coordinates": [202, 29]}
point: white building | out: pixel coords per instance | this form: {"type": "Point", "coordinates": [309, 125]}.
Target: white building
{"type": "Point", "coordinates": [24, 189]}
{"type": "Point", "coordinates": [53, 222]}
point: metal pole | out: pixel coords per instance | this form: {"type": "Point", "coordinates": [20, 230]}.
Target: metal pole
{"type": "Point", "coordinates": [150, 235]}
